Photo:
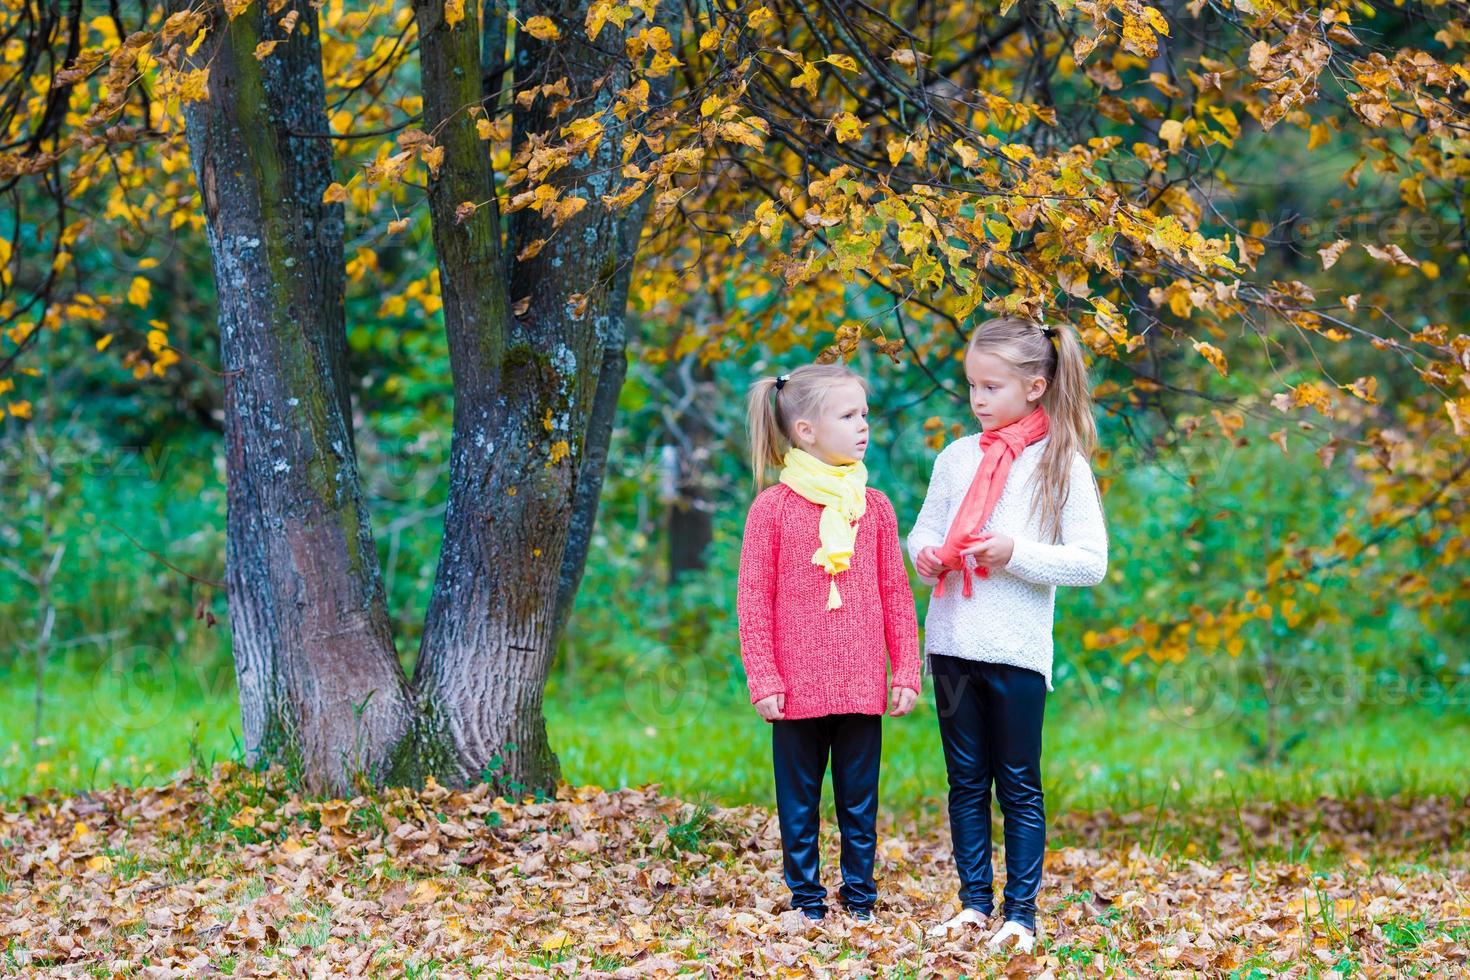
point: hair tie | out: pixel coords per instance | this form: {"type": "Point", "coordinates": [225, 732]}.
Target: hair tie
{"type": "Point", "coordinates": [1048, 331]}
{"type": "Point", "coordinates": [781, 380]}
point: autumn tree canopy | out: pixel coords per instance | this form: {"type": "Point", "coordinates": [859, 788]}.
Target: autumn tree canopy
{"type": "Point", "coordinates": [734, 175]}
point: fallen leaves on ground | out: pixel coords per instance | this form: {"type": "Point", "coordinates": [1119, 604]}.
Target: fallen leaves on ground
{"type": "Point", "coordinates": [231, 873]}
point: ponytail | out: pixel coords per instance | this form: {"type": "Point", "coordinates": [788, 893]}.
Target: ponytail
{"type": "Point", "coordinates": [1068, 397]}
{"type": "Point", "coordinates": [765, 428]}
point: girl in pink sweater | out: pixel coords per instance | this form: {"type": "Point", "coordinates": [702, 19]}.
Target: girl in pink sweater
{"type": "Point", "coordinates": [824, 606]}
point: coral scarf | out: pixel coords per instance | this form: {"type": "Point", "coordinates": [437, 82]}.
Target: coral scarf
{"type": "Point", "coordinates": [1000, 447]}
{"type": "Point", "coordinates": [842, 493]}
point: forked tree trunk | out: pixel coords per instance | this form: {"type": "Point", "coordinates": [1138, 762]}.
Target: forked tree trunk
{"type": "Point", "coordinates": [315, 659]}
{"type": "Point", "coordinates": [314, 656]}
{"type": "Point", "coordinates": [534, 395]}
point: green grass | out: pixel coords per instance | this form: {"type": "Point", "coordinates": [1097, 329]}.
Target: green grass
{"type": "Point", "coordinates": [128, 721]}
{"type": "Point", "coordinates": [133, 723]}
{"type": "Point", "coordinates": [1121, 754]}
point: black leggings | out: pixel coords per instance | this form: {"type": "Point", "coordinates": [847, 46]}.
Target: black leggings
{"type": "Point", "coordinates": [990, 723]}
{"type": "Point", "coordinates": [800, 749]}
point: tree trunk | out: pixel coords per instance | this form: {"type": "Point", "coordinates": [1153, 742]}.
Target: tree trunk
{"type": "Point", "coordinates": [534, 400]}
{"type": "Point", "coordinates": [318, 676]}
{"type": "Point", "coordinates": [534, 395]}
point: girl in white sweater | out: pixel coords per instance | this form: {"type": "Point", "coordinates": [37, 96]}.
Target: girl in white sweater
{"type": "Point", "coordinates": [1011, 513]}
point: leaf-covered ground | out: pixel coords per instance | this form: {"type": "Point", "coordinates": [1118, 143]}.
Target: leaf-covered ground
{"type": "Point", "coordinates": [235, 874]}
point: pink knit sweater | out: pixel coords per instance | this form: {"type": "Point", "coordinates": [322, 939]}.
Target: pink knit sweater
{"type": "Point", "coordinates": [827, 661]}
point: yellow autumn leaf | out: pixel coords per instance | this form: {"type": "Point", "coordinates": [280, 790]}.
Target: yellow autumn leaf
{"type": "Point", "coordinates": [1138, 37]}
{"type": "Point", "coordinates": [566, 208]}
{"type": "Point", "coordinates": [264, 48]}
{"type": "Point", "coordinates": [1212, 354]}
{"type": "Point", "coordinates": [139, 292]}
{"type": "Point", "coordinates": [245, 817]}
{"type": "Point", "coordinates": [556, 941]}
{"type": "Point", "coordinates": [759, 17]}
{"type": "Point", "coordinates": [334, 813]}
{"type": "Point", "coordinates": [1331, 253]}
{"type": "Point", "coordinates": [1001, 231]}
{"type": "Point", "coordinates": [1365, 388]}
{"type": "Point", "coordinates": [542, 29]}
{"type": "Point", "coordinates": [334, 193]}
{"type": "Point", "coordinates": [744, 131]}
{"type": "Point", "coordinates": [625, 196]}
{"type": "Point", "coordinates": [453, 12]}
{"type": "Point", "coordinates": [425, 892]}
{"type": "Point", "coordinates": [1171, 131]}
{"type": "Point", "coordinates": [1390, 253]}
{"type": "Point", "coordinates": [1156, 20]}
{"type": "Point", "coordinates": [586, 130]}
{"type": "Point", "coordinates": [1226, 119]}
{"type": "Point", "coordinates": [194, 85]}
{"type": "Point", "coordinates": [847, 126]}
{"type": "Point", "coordinates": [844, 61]}
{"type": "Point", "coordinates": [807, 79]}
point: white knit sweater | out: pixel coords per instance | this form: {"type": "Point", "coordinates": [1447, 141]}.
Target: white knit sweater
{"type": "Point", "coordinates": [1008, 616]}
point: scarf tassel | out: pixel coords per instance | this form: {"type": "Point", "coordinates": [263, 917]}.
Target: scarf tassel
{"type": "Point", "coordinates": [834, 600]}
{"type": "Point", "coordinates": [966, 573]}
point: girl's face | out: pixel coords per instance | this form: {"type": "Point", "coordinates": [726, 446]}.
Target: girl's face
{"type": "Point", "coordinates": [998, 395]}
{"type": "Point", "coordinates": [839, 433]}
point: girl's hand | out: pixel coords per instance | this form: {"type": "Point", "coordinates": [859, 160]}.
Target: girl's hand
{"type": "Point", "coordinates": [772, 708]}
{"type": "Point", "coordinates": [928, 564]}
{"type": "Point", "coordinates": [993, 550]}
{"type": "Point", "coordinates": [901, 701]}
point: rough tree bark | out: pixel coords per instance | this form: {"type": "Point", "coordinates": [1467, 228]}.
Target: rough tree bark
{"type": "Point", "coordinates": [534, 395]}
{"type": "Point", "coordinates": [314, 656]}
{"type": "Point", "coordinates": [534, 401]}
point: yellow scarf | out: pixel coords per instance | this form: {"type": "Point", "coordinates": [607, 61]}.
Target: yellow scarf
{"type": "Point", "coordinates": [842, 492]}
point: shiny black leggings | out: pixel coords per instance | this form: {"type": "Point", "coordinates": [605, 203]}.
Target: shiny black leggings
{"type": "Point", "coordinates": [800, 749]}
{"type": "Point", "coordinates": [990, 723]}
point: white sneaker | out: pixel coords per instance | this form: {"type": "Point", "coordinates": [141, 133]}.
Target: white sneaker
{"type": "Point", "coordinates": [967, 917]}
{"type": "Point", "coordinates": [1024, 939]}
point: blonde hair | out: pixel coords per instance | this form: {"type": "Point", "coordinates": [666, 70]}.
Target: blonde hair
{"type": "Point", "coordinates": [1025, 345]}
{"type": "Point", "coordinates": [776, 403]}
